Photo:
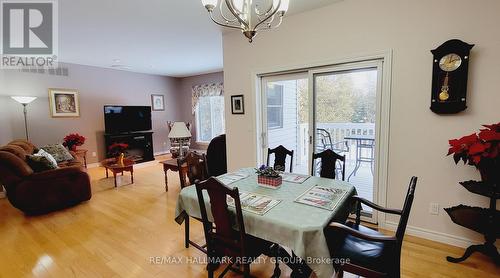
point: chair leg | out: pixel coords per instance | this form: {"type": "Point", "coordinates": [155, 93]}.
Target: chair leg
{"type": "Point", "coordinates": [246, 270]}
{"type": "Point", "coordinates": [186, 232]}
{"type": "Point", "coordinates": [277, 270]}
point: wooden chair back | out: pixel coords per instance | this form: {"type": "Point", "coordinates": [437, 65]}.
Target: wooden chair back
{"type": "Point", "coordinates": [329, 160]}
{"type": "Point", "coordinates": [226, 239]}
{"type": "Point", "coordinates": [280, 154]}
{"type": "Point", "coordinates": [405, 212]}
{"type": "Point", "coordinates": [196, 168]}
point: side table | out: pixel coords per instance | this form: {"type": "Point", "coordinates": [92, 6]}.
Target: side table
{"type": "Point", "coordinates": [171, 165]}
{"type": "Point", "coordinates": [82, 153]}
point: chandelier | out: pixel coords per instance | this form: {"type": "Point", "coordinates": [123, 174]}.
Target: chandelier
{"type": "Point", "coordinates": [247, 15]}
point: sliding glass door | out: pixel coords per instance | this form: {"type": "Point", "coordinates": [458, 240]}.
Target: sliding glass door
{"type": "Point", "coordinates": [345, 120]}
{"type": "Point", "coordinates": [285, 103]}
{"type": "Point", "coordinates": [336, 108]}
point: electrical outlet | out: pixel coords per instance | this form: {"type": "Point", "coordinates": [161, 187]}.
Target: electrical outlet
{"type": "Point", "coordinates": [94, 154]}
{"type": "Point", "coordinates": [434, 208]}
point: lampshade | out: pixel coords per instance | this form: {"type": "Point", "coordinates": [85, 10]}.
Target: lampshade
{"type": "Point", "coordinates": [23, 100]}
{"type": "Point", "coordinates": [284, 6]}
{"type": "Point", "coordinates": [206, 3]}
{"type": "Point", "coordinates": [179, 130]}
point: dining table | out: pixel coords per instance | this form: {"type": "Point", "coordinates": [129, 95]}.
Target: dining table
{"type": "Point", "coordinates": [291, 224]}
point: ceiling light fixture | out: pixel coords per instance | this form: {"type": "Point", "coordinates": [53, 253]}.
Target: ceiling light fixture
{"type": "Point", "coordinates": [247, 16]}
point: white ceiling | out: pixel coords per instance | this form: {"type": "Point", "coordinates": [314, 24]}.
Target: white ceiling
{"type": "Point", "coordinates": [166, 37]}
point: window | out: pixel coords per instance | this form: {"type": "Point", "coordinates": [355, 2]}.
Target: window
{"type": "Point", "coordinates": [209, 118]}
{"type": "Point", "coordinates": [274, 106]}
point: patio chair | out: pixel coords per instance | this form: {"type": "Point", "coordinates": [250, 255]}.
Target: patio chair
{"type": "Point", "coordinates": [370, 253]}
{"type": "Point", "coordinates": [328, 164]}
{"type": "Point", "coordinates": [228, 238]}
{"type": "Point", "coordinates": [324, 141]}
{"type": "Point", "coordinates": [280, 154]}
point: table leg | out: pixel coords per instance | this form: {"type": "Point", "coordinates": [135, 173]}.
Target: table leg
{"type": "Point", "coordinates": [107, 176]}
{"type": "Point", "coordinates": [114, 176]}
{"type": "Point", "coordinates": [85, 160]}
{"type": "Point", "coordinates": [132, 175]}
{"type": "Point", "coordinates": [166, 180]}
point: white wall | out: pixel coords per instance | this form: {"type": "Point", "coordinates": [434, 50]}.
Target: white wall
{"type": "Point", "coordinates": [418, 137]}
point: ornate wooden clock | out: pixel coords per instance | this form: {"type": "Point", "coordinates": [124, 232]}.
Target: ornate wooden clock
{"type": "Point", "coordinates": [449, 78]}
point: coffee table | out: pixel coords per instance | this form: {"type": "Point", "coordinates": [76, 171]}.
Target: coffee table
{"type": "Point", "coordinates": [171, 164]}
{"type": "Point", "coordinates": [116, 168]}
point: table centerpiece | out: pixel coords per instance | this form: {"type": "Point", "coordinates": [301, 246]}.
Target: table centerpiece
{"type": "Point", "coordinates": [268, 177]}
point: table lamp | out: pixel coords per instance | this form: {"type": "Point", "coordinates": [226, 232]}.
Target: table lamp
{"type": "Point", "coordinates": [24, 101]}
{"type": "Point", "coordinates": [180, 133]}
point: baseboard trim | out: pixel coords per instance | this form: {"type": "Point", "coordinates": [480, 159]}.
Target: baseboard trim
{"type": "Point", "coordinates": [431, 235]}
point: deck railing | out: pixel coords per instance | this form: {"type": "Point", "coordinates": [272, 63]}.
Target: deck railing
{"type": "Point", "coordinates": [338, 131]}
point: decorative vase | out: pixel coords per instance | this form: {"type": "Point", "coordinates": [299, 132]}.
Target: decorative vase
{"type": "Point", "coordinates": [120, 159]}
{"type": "Point", "coordinates": [270, 182]}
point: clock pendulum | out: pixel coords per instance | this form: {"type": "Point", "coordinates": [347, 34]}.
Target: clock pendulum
{"type": "Point", "coordinates": [444, 94]}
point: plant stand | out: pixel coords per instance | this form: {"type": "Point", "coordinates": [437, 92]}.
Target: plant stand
{"type": "Point", "coordinates": [482, 220]}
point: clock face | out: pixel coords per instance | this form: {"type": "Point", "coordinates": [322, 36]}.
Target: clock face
{"type": "Point", "coordinates": [450, 62]}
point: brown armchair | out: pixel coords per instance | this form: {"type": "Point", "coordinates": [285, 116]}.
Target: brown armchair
{"type": "Point", "coordinates": [43, 192]}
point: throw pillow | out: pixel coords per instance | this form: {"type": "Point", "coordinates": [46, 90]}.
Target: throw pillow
{"type": "Point", "coordinates": [59, 152]}
{"type": "Point", "coordinates": [40, 163]}
{"type": "Point", "coordinates": [48, 156]}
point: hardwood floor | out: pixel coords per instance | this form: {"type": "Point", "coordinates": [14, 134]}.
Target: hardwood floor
{"type": "Point", "coordinates": [129, 231]}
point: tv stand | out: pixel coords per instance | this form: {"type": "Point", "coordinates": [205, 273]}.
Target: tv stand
{"type": "Point", "coordinates": [140, 144]}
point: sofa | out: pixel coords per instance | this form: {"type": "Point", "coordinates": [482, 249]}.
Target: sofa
{"type": "Point", "coordinates": [41, 192]}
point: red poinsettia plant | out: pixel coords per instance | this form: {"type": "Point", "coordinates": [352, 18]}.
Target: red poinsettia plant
{"type": "Point", "coordinates": [477, 148]}
{"type": "Point", "coordinates": [116, 149]}
{"type": "Point", "coordinates": [71, 141]}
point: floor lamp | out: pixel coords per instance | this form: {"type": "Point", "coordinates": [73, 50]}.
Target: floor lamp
{"type": "Point", "coordinates": [24, 101]}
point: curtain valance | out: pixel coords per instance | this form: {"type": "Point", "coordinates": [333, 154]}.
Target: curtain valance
{"type": "Point", "coordinates": [213, 89]}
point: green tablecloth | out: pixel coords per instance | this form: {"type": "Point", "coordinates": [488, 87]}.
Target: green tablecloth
{"type": "Point", "coordinates": [291, 224]}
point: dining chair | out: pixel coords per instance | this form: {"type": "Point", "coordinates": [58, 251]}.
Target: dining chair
{"type": "Point", "coordinates": [196, 171]}
{"type": "Point", "coordinates": [328, 164]}
{"type": "Point", "coordinates": [280, 154]}
{"type": "Point", "coordinates": [216, 156]}
{"type": "Point", "coordinates": [370, 253]}
{"type": "Point", "coordinates": [228, 238]}
{"type": "Point", "coordinates": [196, 167]}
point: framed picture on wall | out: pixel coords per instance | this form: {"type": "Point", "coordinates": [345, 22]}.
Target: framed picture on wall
{"type": "Point", "coordinates": [158, 102]}
{"type": "Point", "coordinates": [64, 103]}
{"type": "Point", "coordinates": [237, 104]}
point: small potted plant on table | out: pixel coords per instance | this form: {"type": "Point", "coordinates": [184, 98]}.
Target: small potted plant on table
{"type": "Point", "coordinates": [268, 177]}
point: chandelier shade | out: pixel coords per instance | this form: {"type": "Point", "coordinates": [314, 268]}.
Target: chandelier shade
{"type": "Point", "coordinates": [249, 16]}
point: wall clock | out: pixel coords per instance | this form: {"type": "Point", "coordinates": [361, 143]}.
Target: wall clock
{"type": "Point", "coordinates": [449, 77]}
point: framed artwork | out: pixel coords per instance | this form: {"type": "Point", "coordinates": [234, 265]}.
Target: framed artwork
{"type": "Point", "coordinates": [64, 103]}
{"type": "Point", "coordinates": [237, 104]}
{"type": "Point", "coordinates": [158, 102]}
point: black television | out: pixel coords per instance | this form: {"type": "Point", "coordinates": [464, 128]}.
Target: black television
{"type": "Point", "coordinates": [119, 119]}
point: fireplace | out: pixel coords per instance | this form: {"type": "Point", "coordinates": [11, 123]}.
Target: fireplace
{"type": "Point", "coordinates": [140, 145]}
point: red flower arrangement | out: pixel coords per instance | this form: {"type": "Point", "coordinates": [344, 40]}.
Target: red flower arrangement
{"type": "Point", "coordinates": [116, 149]}
{"type": "Point", "coordinates": [477, 148]}
{"type": "Point", "coordinates": [71, 141]}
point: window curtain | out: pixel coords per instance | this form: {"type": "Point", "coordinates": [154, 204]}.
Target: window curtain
{"type": "Point", "coordinates": [206, 90]}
